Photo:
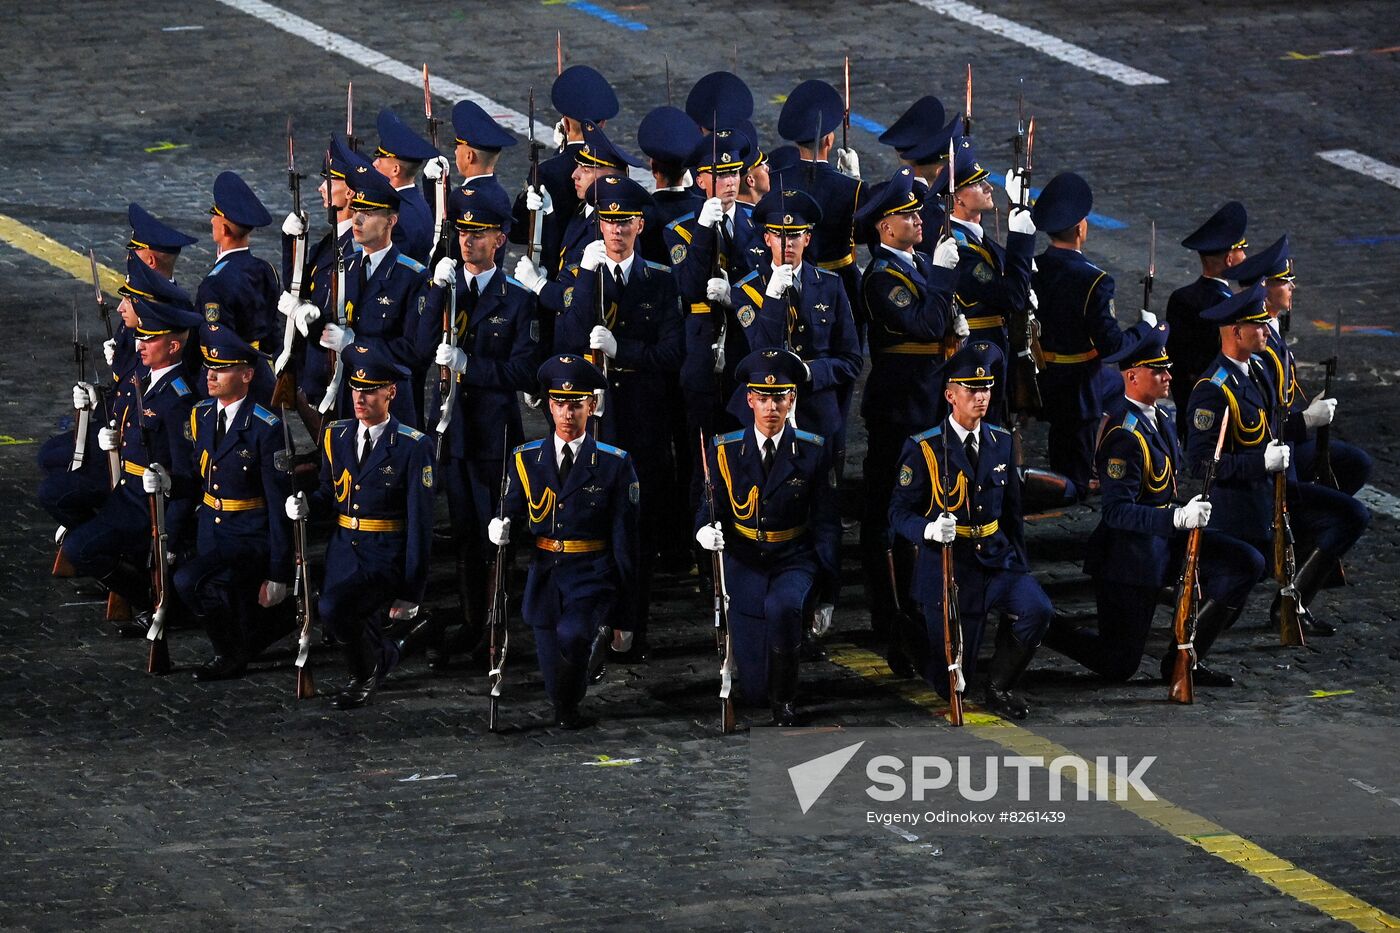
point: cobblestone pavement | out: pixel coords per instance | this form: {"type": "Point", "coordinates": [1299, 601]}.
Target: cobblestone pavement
{"type": "Point", "coordinates": [144, 803]}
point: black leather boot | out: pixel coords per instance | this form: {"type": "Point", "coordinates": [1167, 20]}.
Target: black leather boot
{"type": "Point", "coordinates": [228, 660]}
{"type": "Point", "coordinates": [569, 688]}
{"type": "Point", "coordinates": [1211, 618]}
{"type": "Point", "coordinates": [363, 655]}
{"type": "Point", "coordinates": [782, 687]}
{"type": "Point", "coordinates": [1008, 664]}
{"type": "Point", "coordinates": [134, 586]}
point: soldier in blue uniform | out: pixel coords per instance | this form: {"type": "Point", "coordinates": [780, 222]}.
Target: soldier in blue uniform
{"type": "Point", "coordinates": [311, 308]}
{"type": "Point", "coordinates": [921, 138]}
{"type": "Point", "coordinates": [1238, 384]}
{"type": "Point", "coordinates": [596, 160]}
{"type": "Point", "coordinates": [1220, 243]}
{"type": "Point", "coordinates": [755, 181]}
{"type": "Point", "coordinates": [492, 354]}
{"type": "Point", "coordinates": [636, 324]}
{"type": "Point", "coordinates": [666, 137]}
{"type": "Point", "coordinates": [792, 304]}
{"type": "Point", "coordinates": [152, 436]}
{"type": "Point", "coordinates": [908, 302]}
{"type": "Point", "coordinates": [958, 486]}
{"type": "Point", "coordinates": [241, 291]}
{"type": "Point", "coordinates": [480, 142]}
{"type": "Point", "coordinates": [1078, 328]}
{"type": "Point", "coordinates": [384, 294]}
{"type": "Point", "coordinates": [377, 477]}
{"type": "Point", "coordinates": [775, 519]}
{"type": "Point", "coordinates": [157, 244]}
{"type": "Point", "coordinates": [236, 582]}
{"type": "Point", "coordinates": [992, 281]}
{"type": "Point", "coordinates": [399, 158]}
{"type": "Point", "coordinates": [1350, 464]}
{"type": "Point", "coordinates": [581, 95]}
{"type": "Point", "coordinates": [576, 499]}
{"type": "Point", "coordinates": [1140, 541]}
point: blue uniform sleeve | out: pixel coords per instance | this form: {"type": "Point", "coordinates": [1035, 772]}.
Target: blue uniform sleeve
{"type": "Point", "coordinates": [517, 372]}
{"type": "Point", "coordinates": [913, 493]}
{"type": "Point", "coordinates": [892, 305]}
{"type": "Point", "coordinates": [420, 483]}
{"type": "Point", "coordinates": [826, 520]}
{"type": "Point", "coordinates": [843, 361]}
{"type": "Point", "coordinates": [1121, 509]}
{"type": "Point", "coordinates": [626, 541]}
{"type": "Point", "coordinates": [1098, 316]}
{"type": "Point", "coordinates": [578, 309]}
{"type": "Point", "coordinates": [277, 486]}
{"type": "Point", "coordinates": [1204, 412]}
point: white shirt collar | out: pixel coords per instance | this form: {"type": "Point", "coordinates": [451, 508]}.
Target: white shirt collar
{"type": "Point", "coordinates": [1278, 331]}
{"type": "Point", "coordinates": [777, 438]}
{"type": "Point", "coordinates": [559, 443]}
{"type": "Point", "coordinates": [1214, 278]}
{"type": "Point", "coordinates": [230, 410]}
{"type": "Point", "coordinates": [229, 252]}
{"type": "Point", "coordinates": [158, 374]}
{"type": "Point", "coordinates": [1145, 408]}
{"type": "Point", "coordinates": [375, 433]}
{"type": "Point", "coordinates": [906, 254]}
{"type": "Point", "coordinates": [975, 228]}
{"type": "Point", "coordinates": [482, 279]}
{"type": "Point", "coordinates": [1241, 365]}
{"type": "Point", "coordinates": [625, 266]}
{"type": "Point", "coordinates": [963, 433]}
{"type": "Point", "coordinates": [406, 187]}
{"type": "Point", "coordinates": [342, 225]}
{"type": "Point", "coordinates": [372, 260]}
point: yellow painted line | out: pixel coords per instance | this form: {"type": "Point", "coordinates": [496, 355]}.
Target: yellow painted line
{"type": "Point", "coordinates": [7, 441]}
{"type": "Point", "coordinates": [45, 248]}
{"type": "Point", "coordinates": [1273, 870]}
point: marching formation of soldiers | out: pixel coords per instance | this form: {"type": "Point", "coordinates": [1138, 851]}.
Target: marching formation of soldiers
{"type": "Point", "coordinates": [408, 346]}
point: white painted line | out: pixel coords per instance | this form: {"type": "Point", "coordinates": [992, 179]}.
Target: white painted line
{"type": "Point", "coordinates": [1364, 164]}
{"type": "Point", "coordinates": [1040, 41]}
{"type": "Point", "coordinates": [1379, 501]}
{"type": "Point", "coordinates": [363, 55]}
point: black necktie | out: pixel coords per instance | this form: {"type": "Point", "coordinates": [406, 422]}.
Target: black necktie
{"type": "Point", "coordinates": [566, 464]}
{"type": "Point", "coordinates": [221, 429]}
{"type": "Point", "coordinates": [769, 448]}
{"type": "Point", "coordinates": [363, 276]}
{"type": "Point", "coordinates": [470, 300]}
{"type": "Point", "coordinates": [970, 446]}
{"type": "Point", "coordinates": [618, 280]}
{"type": "Point", "coordinates": [366, 446]}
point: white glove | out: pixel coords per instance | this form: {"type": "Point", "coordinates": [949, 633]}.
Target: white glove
{"type": "Point", "coordinates": [1194, 514]}
{"type": "Point", "coordinates": [403, 609]}
{"type": "Point", "coordinates": [821, 619]}
{"type": "Point", "coordinates": [109, 350]}
{"type": "Point", "coordinates": [435, 168]}
{"type": "Point", "coordinates": [1015, 187]}
{"type": "Point", "coordinates": [287, 304]}
{"type": "Point", "coordinates": [304, 316]}
{"type": "Point", "coordinates": [942, 530]}
{"type": "Point", "coordinates": [531, 401]}
{"type": "Point", "coordinates": [945, 254]}
{"type": "Point", "coordinates": [1320, 411]}
{"type": "Point", "coordinates": [297, 508]}
{"type": "Point", "coordinates": [593, 255]}
{"type": "Point", "coordinates": [454, 358]}
{"type": "Point", "coordinates": [717, 289]}
{"type": "Point", "coordinates": [848, 162]}
{"type": "Point", "coordinates": [1020, 221]}
{"type": "Point", "coordinates": [271, 593]}
{"type": "Point", "coordinates": [85, 396]}
{"type": "Point", "coordinates": [711, 213]}
{"type": "Point", "coordinates": [59, 534]}
{"type": "Point", "coordinates": [498, 530]}
{"type": "Point", "coordinates": [710, 537]}
{"type": "Point", "coordinates": [444, 272]}
{"type": "Point", "coordinates": [156, 480]}
{"type": "Point", "coordinates": [294, 225]}
{"type": "Point", "coordinates": [1149, 318]}
{"type": "Point", "coordinates": [600, 338]}
{"type": "Point", "coordinates": [337, 338]}
{"type": "Point", "coordinates": [960, 327]}
{"type": "Point", "coordinates": [530, 275]}
{"type": "Point", "coordinates": [780, 282]}
{"type": "Point", "coordinates": [1276, 457]}
{"type": "Point", "coordinates": [560, 135]}
{"type": "Point", "coordinates": [538, 199]}
{"type": "Point", "coordinates": [1034, 300]}
{"type": "Point", "coordinates": [107, 438]}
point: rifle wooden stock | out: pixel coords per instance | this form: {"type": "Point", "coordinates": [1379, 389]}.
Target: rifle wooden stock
{"type": "Point", "coordinates": [1290, 627]}
{"type": "Point", "coordinates": [952, 630]}
{"type": "Point", "coordinates": [1183, 688]}
{"type": "Point", "coordinates": [158, 658]}
{"type": "Point", "coordinates": [724, 643]}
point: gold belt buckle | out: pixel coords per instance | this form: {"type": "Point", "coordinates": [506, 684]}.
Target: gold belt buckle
{"type": "Point", "coordinates": [218, 505]}
{"type": "Point", "coordinates": [760, 536]}
{"type": "Point", "coordinates": [355, 523]}
{"type": "Point", "coordinates": [558, 546]}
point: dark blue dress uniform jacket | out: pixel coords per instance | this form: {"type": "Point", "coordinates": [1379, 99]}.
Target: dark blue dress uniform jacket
{"type": "Point", "coordinates": [387, 314]}
{"type": "Point", "coordinates": [1192, 343]}
{"type": "Point", "coordinates": [395, 485]}
{"type": "Point", "coordinates": [241, 291]}
{"type": "Point", "coordinates": [992, 281]}
{"type": "Point", "coordinates": [241, 491]}
{"type": "Point", "coordinates": [1132, 544]}
{"type": "Point", "coordinates": [909, 311]}
{"type": "Point", "coordinates": [1077, 329]}
{"type": "Point", "coordinates": [823, 334]}
{"type": "Point", "coordinates": [413, 234]}
{"type": "Point", "coordinates": [833, 246]}
{"type": "Point", "coordinates": [598, 503]}
{"type": "Point", "coordinates": [501, 340]}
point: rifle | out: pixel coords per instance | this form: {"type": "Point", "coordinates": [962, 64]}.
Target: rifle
{"type": "Point", "coordinates": [719, 317]}
{"type": "Point", "coordinates": [442, 239]}
{"type": "Point", "coordinates": [104, 310]}
{"type": "Point", "coordinates": [1182, 689]}
{"type": "Point", "coordinates": [846, 117]}
{"type": "Point", "coordinates": [598, 357]}
{"type": "Point", "coordinates": [1024, 330]}
{"type": "Point", "coordinates": [724, 642]}
{"type": "Point", "coordinates": [351, 139]}
{"type": "Point", "coordinates": [558, 53]}
{"type": "Point", "coordinates": [952, 618]}
{"type": "Point", "coordinates": [1151, 276]}
{"type": "Point", "coordinates": [534, 244]}
{"type": "Point", "coordinates": [1322, 472]}
{"type": "Point", "coordinates": [284, 395]}
{"type": "Point", "coordinates": [82, 416]}
{"type": "Point", "coordinates": [302, 588]}
{"type": "Point", "coordinates": [499, 613]}
{"type": "Point", "coordinates": [158, 660]}
{"type": "Point", "coordinates": [337, 305]}
{"type": "Point", "coordinates": [1285, 565]}
{"type": "Point", "coordinates": [448, 381]}
{"type": "Point", "coordinates": [967, 107]}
